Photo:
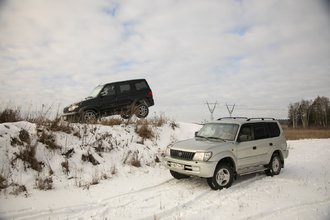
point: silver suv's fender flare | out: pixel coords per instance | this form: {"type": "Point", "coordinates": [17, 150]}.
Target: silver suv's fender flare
{"type": "Point", "coordinates": [225, 155]}
{"type": "Point", "coordinates": [272, 151]}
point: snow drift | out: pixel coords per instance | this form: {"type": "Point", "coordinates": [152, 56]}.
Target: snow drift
{"type": "Point", "coordinates": [125, 180]}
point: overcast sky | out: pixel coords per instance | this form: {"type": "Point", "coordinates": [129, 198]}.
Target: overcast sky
{"type": "Point", "coordinates": [260, 55]}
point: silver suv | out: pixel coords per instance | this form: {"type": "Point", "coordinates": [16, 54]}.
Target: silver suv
{"type": "Point", "coordinates": [228, 147]}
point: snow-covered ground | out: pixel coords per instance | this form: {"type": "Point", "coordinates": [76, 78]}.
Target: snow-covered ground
{"type": "Point", "coordinates": [301, 191]}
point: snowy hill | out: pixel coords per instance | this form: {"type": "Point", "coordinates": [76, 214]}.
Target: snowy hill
{"type": "Point", "coordinates": [77, 154]}
{"type": "Point", "coordinates": [113, 172]}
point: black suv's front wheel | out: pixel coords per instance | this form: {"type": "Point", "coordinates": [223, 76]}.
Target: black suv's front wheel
{"type": "Point", "coordinates": [89, 116]}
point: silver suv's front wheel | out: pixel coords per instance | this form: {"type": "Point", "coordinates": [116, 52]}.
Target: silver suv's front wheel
{"type": "Point", "coordinates": [223, 177]}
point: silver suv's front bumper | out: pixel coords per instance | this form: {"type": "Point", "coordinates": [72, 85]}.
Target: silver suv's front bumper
{"type": "Point", "coordinates": [191, 168]}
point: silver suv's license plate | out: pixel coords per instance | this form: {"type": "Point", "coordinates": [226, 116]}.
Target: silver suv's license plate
{"type": "Point", "coordinates": [177, 166]}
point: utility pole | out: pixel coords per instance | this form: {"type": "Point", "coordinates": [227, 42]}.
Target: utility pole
{"type": "Point", "coordinates": [211, 109]}
{"type": "Point", "coordinates": [230, 111]}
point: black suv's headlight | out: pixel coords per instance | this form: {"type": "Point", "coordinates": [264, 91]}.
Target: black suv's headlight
{"type": "Point", "coordinates": [73, 107]}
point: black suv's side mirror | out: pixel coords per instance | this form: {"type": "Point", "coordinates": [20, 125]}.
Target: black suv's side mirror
{"type": "Point", "coordinates": [103, 93]}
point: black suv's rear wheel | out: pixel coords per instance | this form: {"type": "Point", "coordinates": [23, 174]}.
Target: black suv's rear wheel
{"type": "Point", "coordinates": [142, 110]}
{"type": "Point", "coordinates": [223, 177]}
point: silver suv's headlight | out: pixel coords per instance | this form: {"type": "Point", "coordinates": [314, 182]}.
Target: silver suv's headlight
{"type": "Point", "coordinates": [73, 107]}
{"type": "Point", "coordinates": [168, 150]}
{"type": "Point", "coordinates": [202, 156]}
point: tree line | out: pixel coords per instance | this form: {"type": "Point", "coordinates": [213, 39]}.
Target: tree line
{"type": "Point", "coordinates": [310, 113]}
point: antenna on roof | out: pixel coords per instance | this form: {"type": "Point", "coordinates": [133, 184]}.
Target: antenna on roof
{"type": "Point", "coordinates": [211, 109]}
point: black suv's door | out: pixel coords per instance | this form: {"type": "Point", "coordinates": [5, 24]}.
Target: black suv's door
{"type": "Point", "coordinates": [125, 95]}
{"type": "Point", "coordinates": [108, 99]}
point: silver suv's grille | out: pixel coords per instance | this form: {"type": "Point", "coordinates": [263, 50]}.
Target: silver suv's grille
{"type": "Point", "coordinates": [184, 155]}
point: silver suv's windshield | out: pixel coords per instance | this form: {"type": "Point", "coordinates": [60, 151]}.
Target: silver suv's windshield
{"type": "Point", "coordinates": [220, 131]}
{"type": "Point", "coordinates": [95, 91]}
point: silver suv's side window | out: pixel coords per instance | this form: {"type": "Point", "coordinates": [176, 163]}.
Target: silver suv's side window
{"type": "Point", "coordinates": [246, 133]}
{"type": "Point", "coordinates": [257, 131]}
{"type": "Point", "coordinates": [274, 130]}
{"type": "Point", "coordinates": [260, 131]}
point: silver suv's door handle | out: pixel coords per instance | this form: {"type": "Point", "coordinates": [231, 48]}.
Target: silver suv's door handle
{"type": "Point", "coordinates": [254, 147]}
{"type": "Point", "coordinates": [270, 144]}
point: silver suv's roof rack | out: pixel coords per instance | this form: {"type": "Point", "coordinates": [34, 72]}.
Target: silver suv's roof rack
{"type": "Point", "coordinates": [219, 119]}
{"type": "Point", "coordinates": [249, 119]}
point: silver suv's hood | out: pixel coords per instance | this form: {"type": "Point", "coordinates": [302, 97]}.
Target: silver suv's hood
{"type": "Point", "coordinates": [199, 144]}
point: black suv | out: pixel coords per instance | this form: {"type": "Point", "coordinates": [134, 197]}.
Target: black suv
{"type": "Point", "coordinates": [125, 98]}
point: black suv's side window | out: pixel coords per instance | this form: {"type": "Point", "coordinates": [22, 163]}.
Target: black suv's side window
{"type": "Point", "coordinates": [124, 88]}
{"type": "Point", "coordinates": [141, 85]}
{"type": "Point", "coordinates": [274, 130]}
{"type": "Point", "coordinates": [109, 90]}
{"type": "Point", "coordinates": [260, 131]}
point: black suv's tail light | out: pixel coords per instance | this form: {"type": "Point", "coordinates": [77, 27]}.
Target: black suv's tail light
{"type": "Point", "coordinates": [150, 94]}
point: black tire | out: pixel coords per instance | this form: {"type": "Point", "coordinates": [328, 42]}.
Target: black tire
{"type": "Point", "coordinates": [275, 165]}
{"type": "Point", "coordinates": [89, 116]}
{"type": "Point", "coordinates": [177, 175]}
{"type": "Point", "coordinates": [223, 177]}
{"type": "Point", "coordinates": [141, 110]}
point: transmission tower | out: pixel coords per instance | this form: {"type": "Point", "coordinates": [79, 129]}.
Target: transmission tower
{"type": "Point", "coordinates": [211, 109]}
{"type": "Point", "coordinates": [230, 110]}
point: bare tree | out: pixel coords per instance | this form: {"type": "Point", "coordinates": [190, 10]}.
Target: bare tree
{"type": "Point", "coordinates": [294, 114]}
{"type": "Point", "coordinates": [305, 110]}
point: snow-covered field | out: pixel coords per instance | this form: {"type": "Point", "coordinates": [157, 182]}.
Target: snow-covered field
{"type": "Point", "coordinates": [301, 191]}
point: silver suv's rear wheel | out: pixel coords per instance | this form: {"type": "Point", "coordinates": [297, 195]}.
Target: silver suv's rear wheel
{"type": "Point", "coordinates": [223, 177]}
{"type": "Point", "coordinates": [275, 165]}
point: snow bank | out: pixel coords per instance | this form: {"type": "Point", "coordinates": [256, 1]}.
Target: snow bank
{"type": "Point", "coordinates": [46, 159]}
{"type": "Point", "coordinates": [301, 191]}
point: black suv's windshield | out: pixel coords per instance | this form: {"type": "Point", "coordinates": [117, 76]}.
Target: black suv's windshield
{"type": "Point", "coordinates": [220, 131]}
{"type": "Point", "coordinates": [95, 91]}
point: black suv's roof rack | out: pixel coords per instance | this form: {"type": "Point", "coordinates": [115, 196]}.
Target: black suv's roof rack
{"type": "Point", "coordinates": [219, 119]}
{"type": "Point", "coordinates": [249, 119]}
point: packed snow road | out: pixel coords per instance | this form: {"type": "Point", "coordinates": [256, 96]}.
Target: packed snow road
{"type": "Point", "coordinates": [301, 191]}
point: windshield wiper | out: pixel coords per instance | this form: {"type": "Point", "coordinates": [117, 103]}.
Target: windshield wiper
{"type": "Point", "coordinates": [199, 136]}
{"type": "Point", "coordinates": [217, 138]}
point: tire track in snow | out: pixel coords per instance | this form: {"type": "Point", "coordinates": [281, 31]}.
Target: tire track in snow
{"type": "Point", "coordinates": [288, 208]}
{"type": "Point", "coordinates": [243, 181]}
{"type": "Point", "coordinates": [41, 213]}
{"type": "Point", "coordinates": [146, 198]}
